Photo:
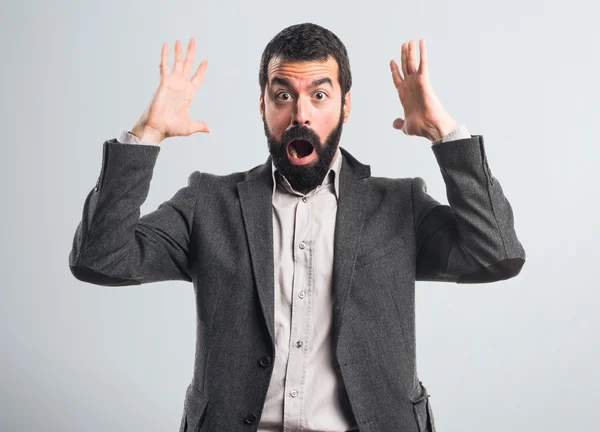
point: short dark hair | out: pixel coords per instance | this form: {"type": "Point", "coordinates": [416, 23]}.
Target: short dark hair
{"type": "Point", "coordinates": [306, 42]}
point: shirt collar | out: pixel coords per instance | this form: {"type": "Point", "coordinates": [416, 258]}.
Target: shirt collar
{"type": "Point", "coordinates": [333, 172]}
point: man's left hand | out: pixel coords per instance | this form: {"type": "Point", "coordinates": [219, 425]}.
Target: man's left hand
{"type": "Point", "coordinates": [424, 114]}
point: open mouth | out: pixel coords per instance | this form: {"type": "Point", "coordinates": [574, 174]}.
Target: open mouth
{"type": "Point", "coordinates": [299, 149]}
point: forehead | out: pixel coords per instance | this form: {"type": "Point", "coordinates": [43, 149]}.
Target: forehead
{"type": "Point", "coordinates": [300, 72]}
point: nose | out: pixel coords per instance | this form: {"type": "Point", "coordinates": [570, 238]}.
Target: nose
{"type": "Point", "coordinates": [301, 115]}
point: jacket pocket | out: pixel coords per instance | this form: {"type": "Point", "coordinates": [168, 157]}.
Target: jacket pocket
{"type": "Point", "coordinates": [194, 407]}
{"type": "Point", "coordinates": [380, 252]}
{"type": "Point", "coordinates": [423, 412]}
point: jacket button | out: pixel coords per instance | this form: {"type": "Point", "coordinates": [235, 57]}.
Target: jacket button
{"type": "Point", "coordinates": [250, 419]}
{"type": "Point", "coordinates": [265, 361]}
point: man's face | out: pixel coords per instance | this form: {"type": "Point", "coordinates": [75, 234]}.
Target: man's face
{"type": "Point", "coordinates": [303, 115]}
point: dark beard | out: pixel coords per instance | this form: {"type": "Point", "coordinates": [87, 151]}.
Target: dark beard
{"type": "Point", "coordinates": [304, 178]}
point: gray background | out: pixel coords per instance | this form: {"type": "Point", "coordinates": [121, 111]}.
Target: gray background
{"type": "Point", "coordinates": [518, 355]}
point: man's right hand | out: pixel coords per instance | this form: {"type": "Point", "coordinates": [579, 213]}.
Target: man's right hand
{"type": "Point", "coordinates": [168, 112]}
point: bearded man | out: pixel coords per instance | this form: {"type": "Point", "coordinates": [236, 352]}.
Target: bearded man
{"type": "Point", "coordinates": [303, 267]}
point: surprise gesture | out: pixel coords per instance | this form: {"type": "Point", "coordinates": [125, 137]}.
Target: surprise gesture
{"type": "Point", "coordinates": [424, 115]}
{"type": "Point", "coordinates": [167, 115]}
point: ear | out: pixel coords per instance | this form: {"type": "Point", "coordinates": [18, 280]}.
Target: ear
{"type": "Point", "coordinates": [347, 106]}
{"type": "Point", "coordinates": [261, 104]}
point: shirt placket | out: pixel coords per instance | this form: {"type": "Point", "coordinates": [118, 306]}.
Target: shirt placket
{"type": "Point", "coordinates": [301, 317]}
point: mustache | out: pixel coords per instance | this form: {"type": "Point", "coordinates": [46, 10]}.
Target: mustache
{"type": "Point", "coordinates": [300, 133]}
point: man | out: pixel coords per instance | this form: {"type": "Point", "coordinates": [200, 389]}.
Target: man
{"type": "Point", "coordinates": [303, 267]}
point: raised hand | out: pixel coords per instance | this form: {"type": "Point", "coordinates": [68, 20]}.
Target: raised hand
{"type": "Point", "coordinates": [167, 115]}
{"type": "Point", "coordinates": [424, 115]}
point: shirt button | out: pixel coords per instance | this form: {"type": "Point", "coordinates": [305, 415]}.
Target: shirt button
{"type": "Point", "coordinates": [301, 294]}
{"type": "Point", "coordinates": [298, 344]}
{"type": "Point", "coordinates": [304, 199]}
{"type": "Point", "coordinates": [293, 393]}
{"type": "Point", "coordinates": [250, 418]}
{"type": "Point", "coordinates": [302, 245]}
{"type": "Point", "coordinates": [265, 361]}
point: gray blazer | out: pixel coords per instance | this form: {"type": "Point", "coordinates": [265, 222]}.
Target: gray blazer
{"type": "Point", "coordinates": [217, 233]}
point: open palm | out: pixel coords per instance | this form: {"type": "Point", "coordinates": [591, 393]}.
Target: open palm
{"type": "Point", "coordinates": [168, 113]}
{"type": "Point", "coordinates": [424, 115]}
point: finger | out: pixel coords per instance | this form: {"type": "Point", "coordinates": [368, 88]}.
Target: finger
{"type": "Point", "coordinates": [396, 74]}
{"type": "Point", "coordinates": [398, 124]}
{"type": "Point", "coordinates": [403, 58]}
{"type": "Point", "coordinates": [199, 126]}
{"type": "Point", "coordinates": [412, 57]}
{"type": "Point", "coordinates": [164, 60]}
{"type": "Point", "coordinates": [178, 66]}
{"type": "Point", "coordinates": [199, 75]}
{"type": "Point", "coordinates": [424, 64]}
{"type": "Point", "coordinates": [189, 57]}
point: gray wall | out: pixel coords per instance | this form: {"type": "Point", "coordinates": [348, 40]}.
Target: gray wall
{"type": "Point", "coordinates": [519, 355]}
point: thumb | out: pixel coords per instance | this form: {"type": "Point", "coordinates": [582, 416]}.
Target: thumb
{"type": "Point", "coordinates": [398, 123]}
{"type": "Point", "coordinates": [199, 126]}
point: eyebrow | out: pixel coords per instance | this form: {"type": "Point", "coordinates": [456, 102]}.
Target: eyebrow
{"type": "Point", "coordinates": [287, 83]}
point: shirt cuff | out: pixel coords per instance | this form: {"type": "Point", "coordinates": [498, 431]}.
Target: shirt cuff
{"type": "Point", "coordinates": [457, 134]}
{"type": "Point", "coordinates": [127, 137]}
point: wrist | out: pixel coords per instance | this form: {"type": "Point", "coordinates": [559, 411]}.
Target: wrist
{"type": "Point", "coordinates": [441, 129]}
{"type": "Point", "coordinates": [145, 133]}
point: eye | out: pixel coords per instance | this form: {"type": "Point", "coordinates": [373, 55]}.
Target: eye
{"type": "Point", "coordinates": [284, 96]}
{"type": "Point", "coordinates": [320, 95]}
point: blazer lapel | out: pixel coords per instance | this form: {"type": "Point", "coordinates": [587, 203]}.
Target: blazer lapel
{"type": "Point", "coordinates": [348, 227]}
{"type": "Point", "coordinates": [257, 211]}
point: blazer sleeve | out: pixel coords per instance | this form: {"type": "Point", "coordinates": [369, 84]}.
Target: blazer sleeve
{"type": "Point", "coordinates": [112, 245]}
{"type": "Point", "coordinates": [473, 240]}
